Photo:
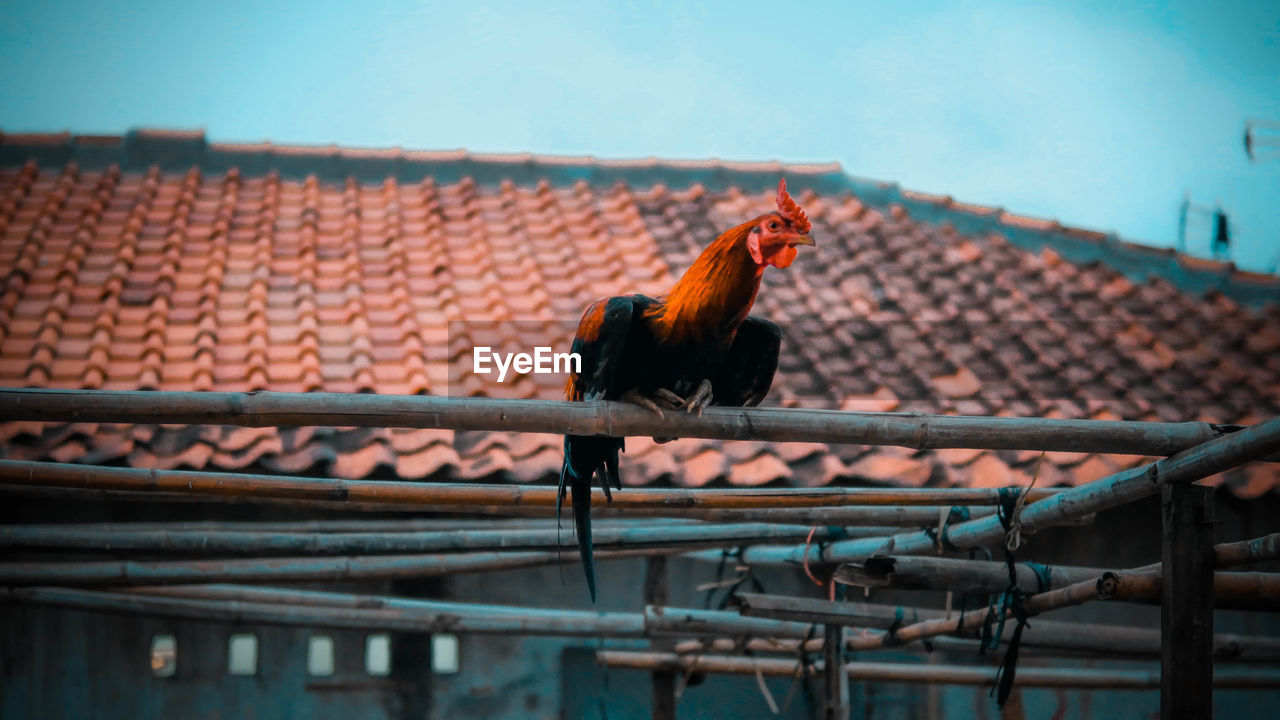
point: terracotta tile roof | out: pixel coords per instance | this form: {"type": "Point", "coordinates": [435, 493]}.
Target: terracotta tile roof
{"type": "Point", "coordinates": [156, 260]}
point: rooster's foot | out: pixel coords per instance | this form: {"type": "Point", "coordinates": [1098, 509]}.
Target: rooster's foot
{"type": "Point", "coordinates": [661, 398]}
{"type": "Point", "coordinates": [700, 399]}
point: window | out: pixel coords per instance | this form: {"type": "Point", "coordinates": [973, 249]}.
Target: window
{"type": "Point", "coordinates": [377, 655]}
{"type": "Point", "coordinates": [320, 655]}
{"type": "Point", "coordinates": [444, 654]}
{"type": "Point", "coordinates": [242, 654]}
{"type": "Point", "coordinates": [164, 656]}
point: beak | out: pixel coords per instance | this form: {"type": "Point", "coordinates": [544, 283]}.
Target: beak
{"type": "Point", "coordinates": [802, 240]}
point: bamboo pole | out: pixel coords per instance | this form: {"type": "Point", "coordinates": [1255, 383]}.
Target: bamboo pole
{"type": "Point", "coordinates": [1110, 679]}
{"type": "Point", "coordinates": [780, 631]}
{"type": "Point", "coordinates": [1107, 587]}
{"type": "Point", "coordinates": [1187, 595]}
{"type": "Point", "coordinates": [237, 603]}
{"type": "Point", "coordinates": [293, 569]}
{"type": "Point", "coordinates": [47, 474]}
{"type": "Point", "coordinates": [694, 622]}
{"type": "Point", "coordinates": [1083, 637]}
{"type": "Point", "coordinates": [406, 616]}
{"type": "Point", "coordinates": [1260, 549]}
{"type": "Point", "coordinates": [333, 526]}
{"type": "Point", "coordinates": [866, 515]}
{"type": "Point", "coordinates": [908, 572]}
{"type": "Point", "coordinates": [1253, 443]}
{"type": "Point", "coordinates": [606, 536]}
{"type": "Point", "coordinates": [963, 576]}
{"type": "Point", "coordinates": [662, 683]}
{"type": "Point", "coordinates": [1226, 586]}
{"type": "Point", "coordinates": [916, 430]}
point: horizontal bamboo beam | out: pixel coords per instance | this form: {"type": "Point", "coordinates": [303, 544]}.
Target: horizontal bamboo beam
{"type": "Point", "coordinates": [1244, 552]}
{"type": "Point", "coordinates": [1215, 456]}
{"type": "Point", "coordinates": [1227, 586]}
{"type": "Point", "coordinates": [679, 621]}
{"type": "Point", "coordinates": [48, 474]}
{"type": "Point", "coordinates": [915, 430]}
{"type": "Point", "coordinates": [239, 542]}
{"type": "Point", "coordinates": [293, 569]}
{"type": "Point", "coordinates": [868, 515]}
{"type": "Point", "coordinates": [236, 603]}
{"type": "Point", "coordinates": [865, 516]}
{"type": "Point", "coordinates": [776, 630]}
{"type": "Point", "coordinates": [334, 526]}
{"type": "Point", "coordinates": [963, 576]}
{"type": "Point", "coordinates": [408, 616]}
{"type": "Point", "coordinates": [1110, 679]}
{"type": "Point", "coordinates": [936, 573]}
{"type": "Point", "coordinates": [1110, 586]}
{"type": "Point", "coordinates": [1092, 638]}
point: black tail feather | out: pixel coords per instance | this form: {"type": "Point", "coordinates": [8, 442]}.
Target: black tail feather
{"type": "Point", "coordinates": [581, 488]}
{"type": "Point", "coordinates": [584, 458]}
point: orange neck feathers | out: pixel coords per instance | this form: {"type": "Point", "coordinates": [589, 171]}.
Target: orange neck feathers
{"type": "Point", "coordinates": [715, 294]}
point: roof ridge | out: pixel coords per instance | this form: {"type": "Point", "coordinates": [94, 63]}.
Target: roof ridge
{"type": "Point", "coordinates": [179, 150]}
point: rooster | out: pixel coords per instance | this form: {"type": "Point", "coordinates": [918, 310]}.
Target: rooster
{"type": "Point", "coordinates": [695, 346]}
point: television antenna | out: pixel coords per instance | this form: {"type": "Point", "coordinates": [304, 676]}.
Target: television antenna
{"type": "Point", "coordinates": [1262, 140]}
{"type": "Point", "coordinates": [1190, 214]}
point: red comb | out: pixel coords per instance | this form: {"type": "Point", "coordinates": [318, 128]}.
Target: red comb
{"type": "Point", "coordinates": [790, 209]}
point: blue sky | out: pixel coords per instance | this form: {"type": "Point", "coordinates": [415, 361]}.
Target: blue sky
{"type": "Point", "coordinates": [1098, 114]}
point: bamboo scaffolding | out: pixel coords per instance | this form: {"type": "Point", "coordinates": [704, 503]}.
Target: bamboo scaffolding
{"type": "Point", "coordinates": [605, 536]}
{"type": "Point", "coordinates": [1083, 637]}
{"type": "Point", "coordinates": [1253, 443]}
{"type": "Point", "coordinates": [47, 474]}
{"type": "Point", "coordinates": [1111, 679]}
{"type": "Point", "coordinates": [915, 430]}
{"type": "Point", "coordinates": [295, 569]}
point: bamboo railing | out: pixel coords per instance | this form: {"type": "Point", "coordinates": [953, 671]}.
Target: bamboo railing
{"type": "Point", "coordinates": [463, 495]}
{"type": "Point", "coordinates": [916, 430]}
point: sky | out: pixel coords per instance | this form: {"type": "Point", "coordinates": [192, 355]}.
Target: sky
{"type": "Point", "coordinates": [1101, 115]}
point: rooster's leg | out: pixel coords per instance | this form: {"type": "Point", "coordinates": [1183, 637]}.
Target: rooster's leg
{"type": "Point", "coordinates": [700, 399]}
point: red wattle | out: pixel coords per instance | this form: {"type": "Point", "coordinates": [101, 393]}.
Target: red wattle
{"type": "Point", "coordinates": [783, 257]}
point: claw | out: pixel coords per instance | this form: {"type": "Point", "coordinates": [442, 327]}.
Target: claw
{"type": "Point", "coordinates": [634, 397]}
{"type": "Point", "coordinates": [700, 399]}
{"type": "Point", "coordinates": [673, 400]}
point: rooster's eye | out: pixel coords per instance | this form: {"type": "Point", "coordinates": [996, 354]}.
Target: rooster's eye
{"type": "Point", "coordinates": [773, 226]}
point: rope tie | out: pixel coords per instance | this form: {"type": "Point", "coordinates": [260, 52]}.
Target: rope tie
{"type": "Point", "coordinates": [938, 534]}
{"type": "Point", "coordinates": [833, 532]}
{"type": "Point", "coordinates": [732, 588]}
{"type": "Point", "coordinates": [1010, 602]}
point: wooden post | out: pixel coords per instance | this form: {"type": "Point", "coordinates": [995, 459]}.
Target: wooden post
{"type": "Point", "coordinates": [1186, 615]}
{"type": "Point", "coordinates": [835, 679]}
{"type": "Point", "coordinates": [664, 680]}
